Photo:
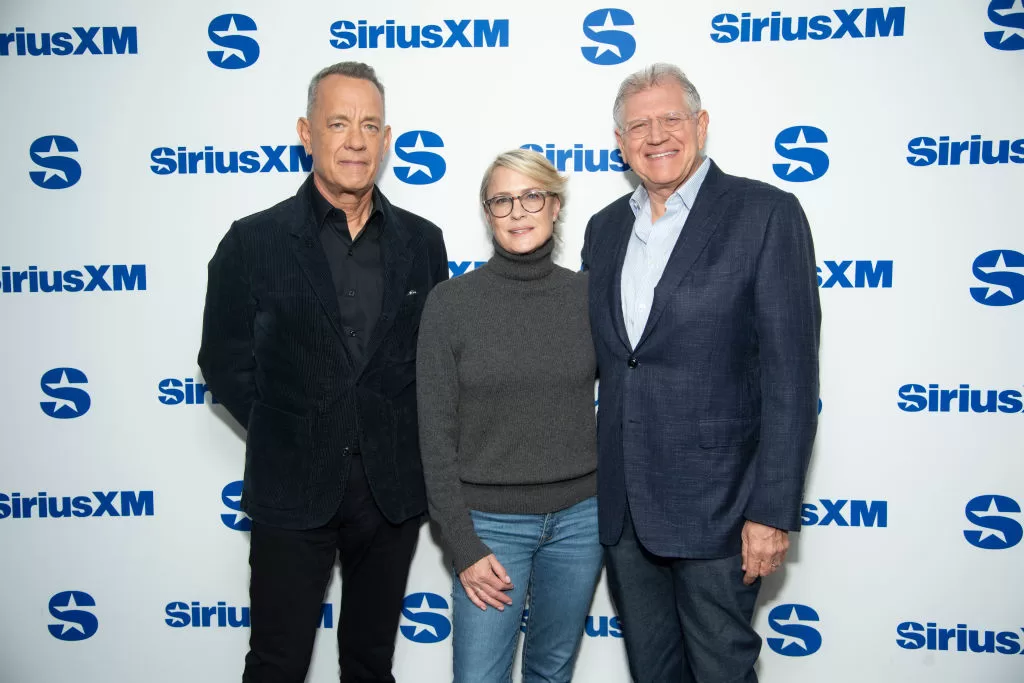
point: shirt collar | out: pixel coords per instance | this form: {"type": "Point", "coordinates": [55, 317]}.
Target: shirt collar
{"type": "Point", "coordinates": [685, 193]}
{"type": "Point", "coordinates": [323, 208]}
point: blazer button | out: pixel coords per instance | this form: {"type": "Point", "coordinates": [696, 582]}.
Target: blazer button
{"type": "Point", "coordinates": [345, 452]}
{"type": "Point", "coordinates": [632, 363]}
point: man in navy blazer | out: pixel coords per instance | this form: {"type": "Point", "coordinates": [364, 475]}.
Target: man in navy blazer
{"type": "Point", "coordinates": [705, 315]}
{"type": "Point", "coordinates": [309, 341]}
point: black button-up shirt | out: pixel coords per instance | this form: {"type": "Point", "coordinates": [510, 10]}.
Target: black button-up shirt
{"type": "Point", "coordinates": [356, 269]}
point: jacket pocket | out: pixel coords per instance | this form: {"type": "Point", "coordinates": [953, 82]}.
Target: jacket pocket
{"type": "Point", "coordinates": [730, 431]}
{"type": "Point", "coordinates": [398, 377]}
{"type": "Point", "coordinates": [278, 448]}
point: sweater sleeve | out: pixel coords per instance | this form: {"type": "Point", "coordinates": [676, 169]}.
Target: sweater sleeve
{"type": "Point", "coordinates": [437, 395]}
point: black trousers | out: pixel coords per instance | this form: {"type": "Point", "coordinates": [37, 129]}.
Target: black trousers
{"type": "Point", "coordinates": [290, 570]}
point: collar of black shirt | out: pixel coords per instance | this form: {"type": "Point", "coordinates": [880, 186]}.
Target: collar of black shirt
{"type": "Point", "coordinates": [329, 217]}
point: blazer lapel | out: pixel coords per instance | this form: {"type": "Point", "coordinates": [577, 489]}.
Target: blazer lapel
{"type": "Point", "coordinates": [398, 250]}
{"type": "Point", "coordinates": [312, 259]}
{"type": "Point", "coordinates": [625, 218]}
{"type": "Point", "coordinates": [699, 227]}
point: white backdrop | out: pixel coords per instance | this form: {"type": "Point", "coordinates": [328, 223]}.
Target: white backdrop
{"type": "Point", "coordinates": [908, 568]}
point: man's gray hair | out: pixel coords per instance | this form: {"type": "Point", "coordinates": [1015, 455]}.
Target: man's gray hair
{"type": "Point", "coordinates": [647, 78]}
{"type": "Point", "coordinates": [351, 70]}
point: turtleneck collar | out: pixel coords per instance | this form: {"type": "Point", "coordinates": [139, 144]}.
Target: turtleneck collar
{"type": "Point", "coordinates": [534, 265]}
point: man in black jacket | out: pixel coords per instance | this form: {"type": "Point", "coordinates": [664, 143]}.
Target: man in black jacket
{"type": "Point", "coordinates": [309, 341]}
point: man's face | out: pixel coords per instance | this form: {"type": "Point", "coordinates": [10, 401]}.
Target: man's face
{"type": "Point", "coordinates": [663, 159]}
{"type": "Point", "coordinates": [346, 134]}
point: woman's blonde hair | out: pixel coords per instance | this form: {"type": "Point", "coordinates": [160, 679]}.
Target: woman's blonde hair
{"type": "Point", "coordinates": [533, 165]}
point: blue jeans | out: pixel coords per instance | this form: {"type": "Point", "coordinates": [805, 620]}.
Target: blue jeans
{"type": "Point", "coordinates": [554, 560]}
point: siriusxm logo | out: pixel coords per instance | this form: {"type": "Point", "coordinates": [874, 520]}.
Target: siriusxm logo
{"type": "Point", "coordinates": [188, 391]}
{"type": "Point", "coordinates": [866, 513]}
{"type": "Point", "coordinates": [50, 152]}
{"type": "Point", "coordinates": [280, 158]}
{"type": "Point", "coordinates": [231, 496]}
{"type": "Point", "coordinates": [615, 46]}
{"type": "Point", "coordinates": [578, 159]}
{"type": "Point", "coordinates": [76, 623]}
{"type": "Point", "coordinates": [96, 504]}
{"type": "Point", "coordinates": [927, 151]}
{"type": "Point", "coordinates": [993, 514]}
{"type": "Point", "coordinates": [428, 614]}
{"type": "Point", "coordinates": [793, 622]}
{"type": "Point", "coordinates": [1009, 16]}
{"type": "Point", "coordinates": [70, 401]}
{"type": "Point", "coordinates": [94, 40]}
{"type": "Point", "coordinates": [594, 627]}
{"type": "Point", "coordinates": [237, 50]}
{"type": "Point", "coordinates": [453, 33]}
{"type": "Point", "coordinates": [871, 22]}
{"type": "Point", "coordinates": [424, 167]}
{"type": "Point", "coordinates": [913, 635]}
{"type": "Point", "coordinates": [1003, 271]}
{"type": "Point", "coordinates": [866, 274]}
{"type": "Point", "coordinates": [456, 268]}
{"type": "Point", "coordinates": [122, 278]}
{"type": "Point", "coordinates": [222, 615]}
{"type": "Point", "coordinates": [603, 627]}
{"type": "Point", "coordinates": [915, 398]}
{"type": "Point", "coordinates": [801, 146]}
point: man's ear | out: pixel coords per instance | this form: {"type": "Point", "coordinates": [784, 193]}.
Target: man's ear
{"type": "Point", "coordinates": [302, 128]}
{"type": "Point", "coordinates": [702, 128]}
{"type": "Point", "coordinates": [622, 147]}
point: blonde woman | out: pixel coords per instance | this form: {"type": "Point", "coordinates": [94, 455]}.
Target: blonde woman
{"type": "Point", "coordinates": [505, 382]}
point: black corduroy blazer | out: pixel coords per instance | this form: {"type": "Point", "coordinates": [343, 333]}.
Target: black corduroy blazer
{"type": "Point", "coordinates": [273, 355]}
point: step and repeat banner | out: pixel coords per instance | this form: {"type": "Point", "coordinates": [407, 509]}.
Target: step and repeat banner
{"type": "Point", "coordinates": [134, 133]}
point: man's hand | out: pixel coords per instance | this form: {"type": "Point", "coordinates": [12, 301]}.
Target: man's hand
{"type": "Point", "coordinates": [485, 582]}
{"type": "Point", "coordinates": [764, 549]}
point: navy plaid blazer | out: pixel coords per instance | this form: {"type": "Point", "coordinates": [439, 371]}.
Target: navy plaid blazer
{"type": "Point", "coordinates": [710, 420]}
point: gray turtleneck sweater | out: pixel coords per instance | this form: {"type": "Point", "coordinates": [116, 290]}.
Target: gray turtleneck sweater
{"type": "Point", "coordinates": [505, 385]}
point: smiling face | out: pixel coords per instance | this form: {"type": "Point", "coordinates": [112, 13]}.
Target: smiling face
{"type": "Point", "coordinates": [664, 160]}
{"type": "Point", "coordinates": [520, 232]}
{"type": "Point", "coordinates": [346, 135]}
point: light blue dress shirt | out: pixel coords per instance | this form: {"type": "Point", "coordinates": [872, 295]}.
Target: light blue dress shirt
{"type": "Point", "coordinates": [650, 245]}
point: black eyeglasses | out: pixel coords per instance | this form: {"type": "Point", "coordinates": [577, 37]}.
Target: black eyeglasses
{"type": "Point", "coordinates": [531, 201]}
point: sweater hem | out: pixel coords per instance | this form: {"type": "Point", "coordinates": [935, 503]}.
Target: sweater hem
{"type": "Point", "coordinates": [529, 499]}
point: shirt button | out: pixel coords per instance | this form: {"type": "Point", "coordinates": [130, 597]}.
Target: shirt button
{"type": "Point", "coordinates": [632, 363]}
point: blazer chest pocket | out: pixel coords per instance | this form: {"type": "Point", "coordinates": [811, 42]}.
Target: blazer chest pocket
{"type": "Point", "coordinates": [728, 432]}
{"type": "Point", "coordinates": [407, 323]}
{"type": "Point", "coordinates": [411, 303]}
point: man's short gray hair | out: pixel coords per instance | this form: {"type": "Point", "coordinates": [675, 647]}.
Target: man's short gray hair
{"type": "Point", "coordinates": [351, 70]}
{"type": "Point", "coordinates": [647, 78]}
